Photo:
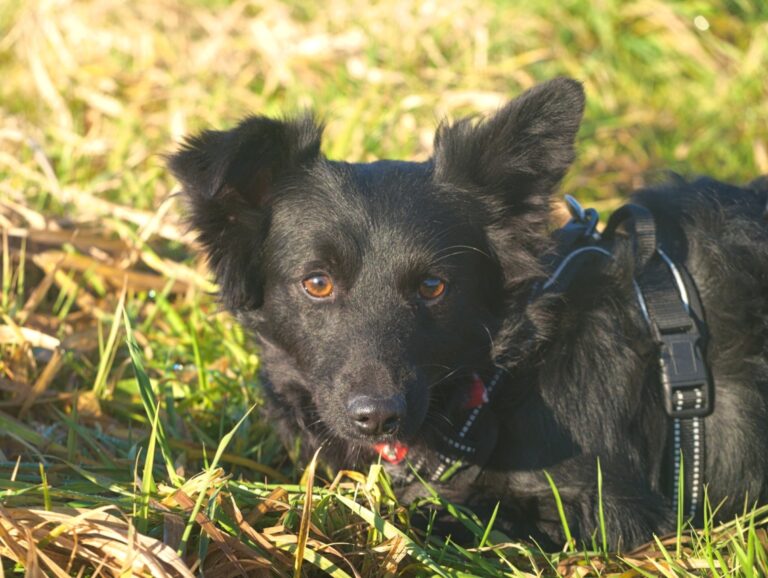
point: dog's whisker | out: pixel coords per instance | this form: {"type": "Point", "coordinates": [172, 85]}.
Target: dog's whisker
{"type": "Point", "coordinates": [490, 337]}
{"type": "Point", "coordinates": [439, 415]}
{"type": "Point", "coordinates": [448, 256]}
{"type": "Point", "coordinates": [437, 365]}
{"type": "Point", "coordinates": [445, 377]}
{"type": "Point", "coordinates": [469, 248]}
{"type": "Point", "coordinates": [437, 237]}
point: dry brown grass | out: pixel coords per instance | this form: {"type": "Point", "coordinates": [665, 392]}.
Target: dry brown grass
{"type": "Point", "coordinates": [93, 92]}
{"type": "Point", "coordinates": [68, 541]}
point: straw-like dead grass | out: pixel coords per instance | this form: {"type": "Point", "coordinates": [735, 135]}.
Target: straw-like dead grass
{"type": "Point", "coordinates": [100, 450]}
{"type": "Point", "coordinates": [99, 540]}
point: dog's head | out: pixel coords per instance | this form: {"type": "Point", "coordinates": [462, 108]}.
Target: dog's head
{"type": "Point", "coordinates": [372, 287]}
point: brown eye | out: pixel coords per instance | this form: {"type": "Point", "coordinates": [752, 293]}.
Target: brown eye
{"type": "Point", "coordinates": [431, 288]}
{"type": "Point", "coordinates": [318, 286]}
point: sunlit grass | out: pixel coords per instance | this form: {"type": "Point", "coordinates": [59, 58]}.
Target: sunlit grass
{"type": "Point", "coordinates": [118, 441]}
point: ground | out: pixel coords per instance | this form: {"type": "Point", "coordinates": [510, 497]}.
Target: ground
{"type": "Point", "coordinates": [126, 442]}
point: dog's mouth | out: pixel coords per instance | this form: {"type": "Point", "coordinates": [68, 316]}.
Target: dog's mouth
{"type": "Point", "coordinates": [444, 418]}
{"type": "Point", "coordinates": [393, 452]}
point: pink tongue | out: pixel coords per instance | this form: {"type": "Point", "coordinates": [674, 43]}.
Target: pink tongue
{"type": "Point", "coordinates": [394, 453]}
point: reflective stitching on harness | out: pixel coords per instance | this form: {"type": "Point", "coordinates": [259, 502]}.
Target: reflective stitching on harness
{"type": "Point", "coordinates": [678, 447]}
{"type": "Point", "coordinates": [475, 412]}
{"type": "Point", "coordinates": [697, 442]}
{"type": "Point", "coordinates": [458, 446]}
{"type": "Point", "coordinates": [448, 462]}
{"type": "Point", "coordinates": [696, 456]}
{"type": "Point", "coordinates": [696, 465]}
{"type": "Point", "coordinates": [470, 420]}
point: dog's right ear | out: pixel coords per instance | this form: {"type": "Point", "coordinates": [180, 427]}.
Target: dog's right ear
{"type": "Point", "coordinates": [229, 179]}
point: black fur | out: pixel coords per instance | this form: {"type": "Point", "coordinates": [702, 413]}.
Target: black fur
{"type": "Point", "coordinates": [271, 210]}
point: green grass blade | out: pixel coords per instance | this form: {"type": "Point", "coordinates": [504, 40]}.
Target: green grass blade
{"type": "Point", "coordinates": [570, 544]}
{"type": "Point", "coordinates": [208, 474]}
{"type": "Point", "coordinates": [148, 479]}
{"type": "Point", "coordinates": [6, 254]}
{"type": "Point", "coordinates": [663, 550]}
{"type": "Point", "coordinates": [101, 481]}
{"type": "Point", "coordinates": [600, 510]}
{"type": "Point", "coordinates": [202, 381]}
{"type": "Point", "coordinates": [488, 528]}
{"type": "Point", "coordinates": [147, 398]}
{"type": "Point", "coordinates": [46, 489]}
{"type": "Point", "coordinates": [108, 355]}
{"type": "Point", "coordinates": [306, 516]}
{"type": "Point", "coordinates": [390, 531]}
{"type": "Point", "coordinates": [13, 427]}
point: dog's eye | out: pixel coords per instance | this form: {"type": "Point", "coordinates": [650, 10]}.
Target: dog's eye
{"type": "Point", "coordinates": [431, 288]}
{"type": "Point", "coordinates": [318, 286]}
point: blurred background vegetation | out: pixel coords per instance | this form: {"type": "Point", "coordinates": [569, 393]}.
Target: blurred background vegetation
{"type": "Point", "coordinates": [104, 86]}
{"type": "Point", "coordinates": [93, 93]}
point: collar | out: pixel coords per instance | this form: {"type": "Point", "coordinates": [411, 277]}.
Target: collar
{"type": "Point", "coordinates": [460, 445]}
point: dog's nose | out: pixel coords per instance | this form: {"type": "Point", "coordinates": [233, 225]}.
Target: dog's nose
{"type": "Point", "coordinates": [377, 415]}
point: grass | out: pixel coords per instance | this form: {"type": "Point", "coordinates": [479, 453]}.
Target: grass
{"type": "Point", "coordinates": [127, 441]}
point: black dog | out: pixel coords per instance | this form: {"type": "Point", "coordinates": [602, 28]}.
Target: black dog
{"type": "Point", "coordinates": [424, 310]}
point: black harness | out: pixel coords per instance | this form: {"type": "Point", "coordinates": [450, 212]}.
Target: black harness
{"type": "Point", "coordinates": [673, 311]}
{"type": "Point", "coordinates": [670, 303]}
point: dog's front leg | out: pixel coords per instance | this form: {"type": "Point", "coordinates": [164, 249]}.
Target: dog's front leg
{"type": "Point", "coordinates": [631, 510]}
{"type": "Point", "coordinates": [459, 492]}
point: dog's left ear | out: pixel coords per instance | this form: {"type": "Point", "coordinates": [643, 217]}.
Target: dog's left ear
{"type": "Point", "coordinates": [517, 157]}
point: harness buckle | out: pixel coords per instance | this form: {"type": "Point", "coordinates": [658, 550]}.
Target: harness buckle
{"type": "Point", "coordinates": [583, 223]}
{"type": "Point", "coordinates": [688, 386]}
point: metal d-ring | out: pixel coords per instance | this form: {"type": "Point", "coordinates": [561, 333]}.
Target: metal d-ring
{"type": "Point", "coordinates": [575, 209]}
{"type": "Point", "coordinates": [588, 218]}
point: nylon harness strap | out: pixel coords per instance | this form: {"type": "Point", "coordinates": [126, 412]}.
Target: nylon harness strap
{"type": "Point", "coordinates": [675, 317]}
{"type": "Point", "coordinates": [671, 306]}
